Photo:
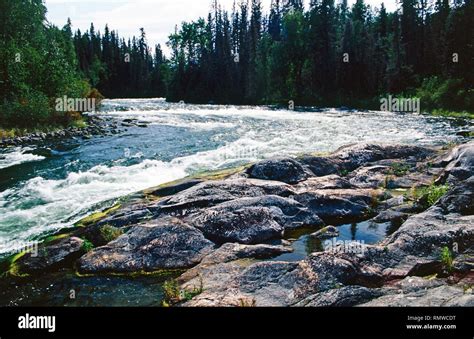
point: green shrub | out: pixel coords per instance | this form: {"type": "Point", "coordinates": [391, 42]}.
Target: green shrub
{"type": "Point", "coordinates": [172, 292]}
{"type": "Point", "coordinates": [110, 233]}
{"type": "Point", "coordinates": [87, 246]}
{"type": "Point", "coordinates": [434, 193]}
{"type": "Point", "coordinates": [399, 169]}
{"type": "Point", "coordinates": [428, 196]}
{"type": "Point", "coordinates": [446, 258]}
{"type": "Point", "coordinates": [452, 94]}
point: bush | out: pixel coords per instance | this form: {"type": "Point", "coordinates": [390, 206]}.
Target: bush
{"type": "Point", "coordinates": [87, 246]}
{"type": "Point", "coordinates": [452, 94]}
{"type": "Point", "coordinates": [110, 233]}
{"type": "Point", "coordinates": [447, 259]}
{"type": "Point", "coordinates": [29, 110]}
{"type": "Point", "coordinates": [428, 196]}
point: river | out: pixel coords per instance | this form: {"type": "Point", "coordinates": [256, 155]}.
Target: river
{"type": "Point", "coordinates": [44, 189]}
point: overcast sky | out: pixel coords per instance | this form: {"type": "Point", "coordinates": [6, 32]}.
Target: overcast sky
{"type": "Point", "coordinates": [158, 17]}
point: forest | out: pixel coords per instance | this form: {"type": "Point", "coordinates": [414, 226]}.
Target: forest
{"type": "Point", "coordinates": [327, 55]}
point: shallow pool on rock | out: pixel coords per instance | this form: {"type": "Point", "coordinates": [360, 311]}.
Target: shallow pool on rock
{"type": "Point", "coordinates": [366, 232]}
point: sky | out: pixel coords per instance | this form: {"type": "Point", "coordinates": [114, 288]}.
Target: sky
{"type": "Point", "coordinates": [158, 17]}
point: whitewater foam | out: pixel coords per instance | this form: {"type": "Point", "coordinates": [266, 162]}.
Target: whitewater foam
{"type": "Point", "coordinates": [18, 156]}
{"type": "Point", "coordinates": [239, 135]}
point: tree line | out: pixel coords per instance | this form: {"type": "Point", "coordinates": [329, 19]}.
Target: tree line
{"type": "Point", "coordinates": [329, 54]}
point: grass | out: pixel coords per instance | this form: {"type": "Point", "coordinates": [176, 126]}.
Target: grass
{"type": "Point", "coordinates": [13, 269]}
{"type": "Point", "coordinates": [110, 233]}
{"type": "Point", "coordinates": [399, 169]}
{"type": "Point", "coordinates": [247, 302]}
{"type": "Point", "coordinates": [446, 258]}
{"type": "Point", "coordinates": [95, 217]}
{"type": "Point", "coordinates": [453, 114]}
{"type": "Point", "coordinates": [344, 173]}
{"type": "Point", "coordinates": [87, 246]}
{"type": "Point", "coordinates": [428, 196]}
{"type": "Point", "coordinates": [9, 133]}
{"type": "Point", "coordinates": [173, 294]}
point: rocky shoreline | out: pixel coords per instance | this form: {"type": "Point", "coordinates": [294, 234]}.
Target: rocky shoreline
{"type": "Point", "coordinates": [95, 126]}
{"type": "Point", "coordinates": [218, 233]}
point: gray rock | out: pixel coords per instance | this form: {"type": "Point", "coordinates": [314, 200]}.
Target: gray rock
{"type": "Point", "coordinates": [231, 252]}
{"type": "Point", "coordinates": [258, 284]}
{"type": "Point", "coordinates": [211, 193]}
{"type": "Point", "coordinates": [322, 183]}
{"type": "Point", "coordinates": [246, 225]}
{"type": "Point", "coordinates": [460, 199]}
{"type": "Point", "coordinates": [347, 296]}
{"type": "Point", "coordinates": [440, 296]}
{"type": "Point", "coordinates": [459, 164]}
{"type": "Point", "coordinates": [326, 233]}
{"type": "Point", "coordinates": [287, 212]}
{"type": "Point", "coordinates": [51, 256]}
{"type": "Point", "coordinates": [320, 166]}
{"type": "Point", "coordinates": [369, 177]}
{"type": "Point", "coordinates": [289, 171]}
{"type": "Point", "coordinates": [334, 207]}
{"type": "Point", "coordinates": [175, 188]}
{"type": "Point", "coordinates": [163, 244]}
{"type": "Point", "coordinates": [390, 215]}
{"type": "Point", "coordinates": [354, 156]}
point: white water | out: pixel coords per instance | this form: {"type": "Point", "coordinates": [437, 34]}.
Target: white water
{"type": "Point", "coordinates": [243, 134]}
{"type": "Point", "coordinates": [18, 156]}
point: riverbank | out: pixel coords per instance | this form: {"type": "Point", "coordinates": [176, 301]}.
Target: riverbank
{"type": "Point", "coordinates": [87, 127]}
{"type": "Point", "coordinates": [217, 240]}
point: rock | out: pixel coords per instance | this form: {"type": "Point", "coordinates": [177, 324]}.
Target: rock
{"type": "Point", "coordinates": [269, 283]}
{"type": "Point", "coordinates": [426, 233]}
{"type": "Point", "coordinates": [420, 292]}
{"type": "Point", "coordinates": [465, 261]}
{"type": "Point", "coordinates": [231, 252]}
{"type": "Point", "coordinates": [260, 284]}
{"type": "Point", "coordinates": [390, 215]}
{"type": "Point", "coordinates": [234, 251]}
{"type": "Point", "coordinates": [164, 244]}
{"type": "Point", "coordinates": [326, 233]}
{"type": "Point", "coordinates": [460, 199]}
{"type": "Point", "coordinates": [354, 156]}
{"type": "Point", "coordinates": [459, 164]}
{"type": "Point", "coordinates": [465, 133]}
{"type": "Point", "coordinates": [370, 177]}
{"type": "Point", "coordinates": [320, 166]}
{"type": "Point", "coordinates": [246, 225]}
{"type": "Point", "coordinates": [411, 180]}
{"type": "Point", "coordinates": [393, 202]}
{"type": "Point", "coordinates": [346, 296]}
{"type": "Point", "coordinates": [289, 213]}
{"type": "Point", "coordinates": [127, 216]}
{"type": "Point", "coordinates": [51, 256]}
{"type": "Point", "coordinates": [288, 171]}
{"type": "Point", "coordinates": [211, 193]}
{"type": "Point", "coordinates": [167, 190]}
{"type": "Point", "coordinates": [337, 207]}
{"type": "Point", "coordinates": [322, 183]}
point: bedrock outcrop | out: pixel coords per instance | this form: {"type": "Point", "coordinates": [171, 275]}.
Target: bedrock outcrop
{"type": "Point", "coordinates": [227, 234]}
